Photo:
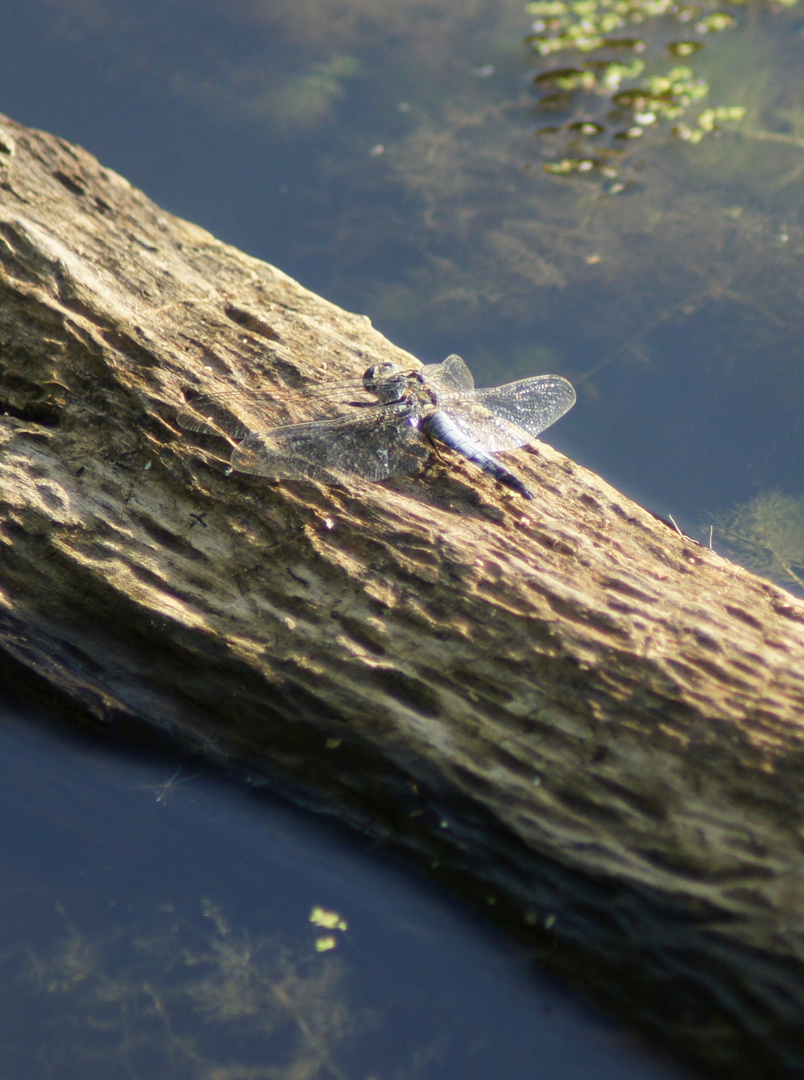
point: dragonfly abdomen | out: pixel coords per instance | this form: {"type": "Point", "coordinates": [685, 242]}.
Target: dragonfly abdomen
{"type": "Point", "coordinates": [438, 425]}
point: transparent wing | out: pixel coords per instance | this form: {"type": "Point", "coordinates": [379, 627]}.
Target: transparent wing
{"type": "Point", "coordinates": [505, 417]}
{"type": "Point", "coordinates": [238, 413]}
{"type": "Point", "coordinates": [378, 443]}
{"type": "Point", "coordinates": [449, 376]}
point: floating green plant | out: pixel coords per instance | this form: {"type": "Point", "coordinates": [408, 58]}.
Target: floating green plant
{"type": "Point", "coordinates": [710, 120]}
{"type": "Point", "coordinates": [624, 97]}
{"type": "Point", "coordinates": [586, 25]}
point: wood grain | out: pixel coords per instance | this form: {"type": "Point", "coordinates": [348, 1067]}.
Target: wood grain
{"type": "Point", "coordinates": [561, 708]}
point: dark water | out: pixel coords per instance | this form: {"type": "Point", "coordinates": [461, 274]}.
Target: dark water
{"type": "Point", "coordinates": [156, 922]}
{"type": "Point", "coordinates": [392, 157]}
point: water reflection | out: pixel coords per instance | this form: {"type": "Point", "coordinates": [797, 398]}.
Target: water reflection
{"type": "Point", "coordinates": [157, 923]}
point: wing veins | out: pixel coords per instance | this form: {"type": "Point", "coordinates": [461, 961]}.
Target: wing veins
{"type": "Point", "coordinates": [506, 417]}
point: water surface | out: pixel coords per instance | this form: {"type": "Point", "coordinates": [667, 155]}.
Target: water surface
{"type": "Point", "coordinates": [160, 922]}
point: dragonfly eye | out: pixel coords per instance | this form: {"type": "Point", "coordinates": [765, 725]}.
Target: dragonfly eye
{"type": "Point", "coordinates": [381, 379]}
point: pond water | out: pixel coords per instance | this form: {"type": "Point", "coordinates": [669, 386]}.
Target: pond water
{"type": "Point", "coordinates": [160, 922]}
{"type": "Point", "coordinates": [457, 173]}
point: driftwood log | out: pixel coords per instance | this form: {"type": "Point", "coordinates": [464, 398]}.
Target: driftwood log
{"type": "Point", "coordinates": [562, 707]}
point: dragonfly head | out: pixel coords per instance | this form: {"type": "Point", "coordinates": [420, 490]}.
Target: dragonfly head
{"type": "Point", "coordinates": [386, 381]}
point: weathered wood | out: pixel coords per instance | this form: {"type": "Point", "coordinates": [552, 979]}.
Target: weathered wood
{"type": "Point", "coordinates": [568, 708]}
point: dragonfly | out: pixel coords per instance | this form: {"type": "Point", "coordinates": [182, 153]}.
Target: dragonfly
{"type": "Point", "coordinates": [385, 424]}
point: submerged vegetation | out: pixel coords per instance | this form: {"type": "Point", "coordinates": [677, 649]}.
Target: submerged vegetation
{"type": "Point", "coordinates": [201, 1001]}
{"type": "Point", "coordinates": [767, 535]}
{"type": "Point", "coordinates": [310, 97]}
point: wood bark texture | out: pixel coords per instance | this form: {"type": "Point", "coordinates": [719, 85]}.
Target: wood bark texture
{"type": "Point", "coordinates": [562, 707]}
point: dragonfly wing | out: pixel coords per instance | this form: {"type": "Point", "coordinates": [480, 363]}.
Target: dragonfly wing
{"type": "Point", "coordinates": [505, 417]}
{"type": "Point", "coordinates": [450, 376]}
{"type": "Point", "coordinates": [379, 443]}
{"type": "Point", "coordinates": [228, 415]}
{"type": "Point", "coordinates": [238, 413]}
